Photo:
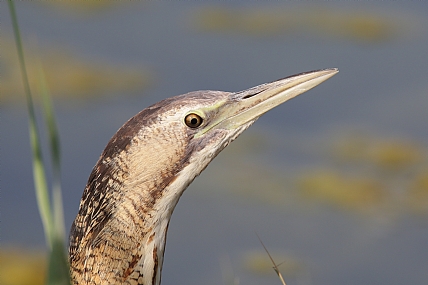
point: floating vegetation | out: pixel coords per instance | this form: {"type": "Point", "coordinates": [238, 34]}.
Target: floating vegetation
{"type": "Point", "coordinates": [67, 75]}
{"type": "Point", "coordinates": [258, 262]}
{"type": "Point", "coordinates": [385, 154]}
{"type": "Point", "coordinates": [22, 267]}
{"type": "Point", "coordinates": [331, 186]}
{"type": "Point", "coordinates": [417, 196]}
{"type": "Point", "coordinates": [367, 173]}
{"type": "Point", "coordinates": [357, 25]}
{"type": "Point", "coordinates": [87, 6]}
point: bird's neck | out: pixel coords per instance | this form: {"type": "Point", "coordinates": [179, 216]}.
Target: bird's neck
{"type": "Point", "coordinates": [119, 234]}
{"type": "Point", "coordinates": [147, 211]}
{"type": "Point", "coordinates": [146, 214]}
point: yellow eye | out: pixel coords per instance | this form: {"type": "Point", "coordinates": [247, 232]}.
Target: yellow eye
{"type": "Point", "coordinates": [193, 120]}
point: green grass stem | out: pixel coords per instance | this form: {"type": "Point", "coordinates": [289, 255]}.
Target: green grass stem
{"type": "Point", "coordinates": [54, 143]}
{"type": "Point", "coordinates": [53, 221]}
{"type": "Point", "coordinates": [39, 174]}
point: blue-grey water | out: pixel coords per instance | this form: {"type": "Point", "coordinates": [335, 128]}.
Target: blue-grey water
{"type": "Point", "coordinates": [380, 91]}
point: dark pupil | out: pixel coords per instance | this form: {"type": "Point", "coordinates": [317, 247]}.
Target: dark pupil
{"type": "Point", "coordinates": [194, 121]}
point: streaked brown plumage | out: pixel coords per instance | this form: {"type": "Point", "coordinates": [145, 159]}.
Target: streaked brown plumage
{"type": "Point", "coordinates": [118, 236]}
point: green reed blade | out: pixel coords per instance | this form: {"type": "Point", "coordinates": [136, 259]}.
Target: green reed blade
{"type": "Point", "coordinates": [58, 272]}
{"type": "Point", "coordinates": [39, 174]}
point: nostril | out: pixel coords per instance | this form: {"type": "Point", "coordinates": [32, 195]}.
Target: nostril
{"type": "Point", "coordinates": [251, 94]}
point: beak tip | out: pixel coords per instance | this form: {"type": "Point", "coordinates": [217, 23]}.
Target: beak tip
{"type": "Point", "coordinates": [327, 73]}
{"type": "Point", "coordinates": [334, 70]}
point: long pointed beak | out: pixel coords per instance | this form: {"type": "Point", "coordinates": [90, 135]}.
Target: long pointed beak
{"type": "Point", "coordinates": [248, 105]}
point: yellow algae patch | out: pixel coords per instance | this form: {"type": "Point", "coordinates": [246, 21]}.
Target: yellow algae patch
{"type": "Point", "coordinates": [418, 192]}
{"type": "Point", "coordinates": [382, 153]}
{"type": "Point", "coordinates": [258, 262]}
{"type": "Point", "coordinates": [337, 189]}
{"type": "Point", "coordinates": [388, 172]}
{"type": "Point", "coordinates": [395, 155]}
{"type": "Point", "coordinates": [66, 75]}
{"type": "Point", "coordinates": [22, 267]}
{"type": "Point", "coordinates": [252, 22]}
{"type": "Point", "coordinates": [84, 5]}
{"type": "Point", "coordinates": [359, 25]}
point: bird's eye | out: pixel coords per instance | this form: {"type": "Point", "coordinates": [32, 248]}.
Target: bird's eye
{"type": "Point", "coordinates": [193, 120]}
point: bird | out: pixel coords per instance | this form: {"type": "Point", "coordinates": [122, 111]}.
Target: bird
{"type": "Point", "coordinates": [119, 233]}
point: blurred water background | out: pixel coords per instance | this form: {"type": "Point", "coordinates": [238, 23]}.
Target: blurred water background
{"type": "Point", "coordinates": [334, 182]}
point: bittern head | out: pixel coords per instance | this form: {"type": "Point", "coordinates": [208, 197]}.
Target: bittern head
{"type": "Point", "coordinates": [120, 231]}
